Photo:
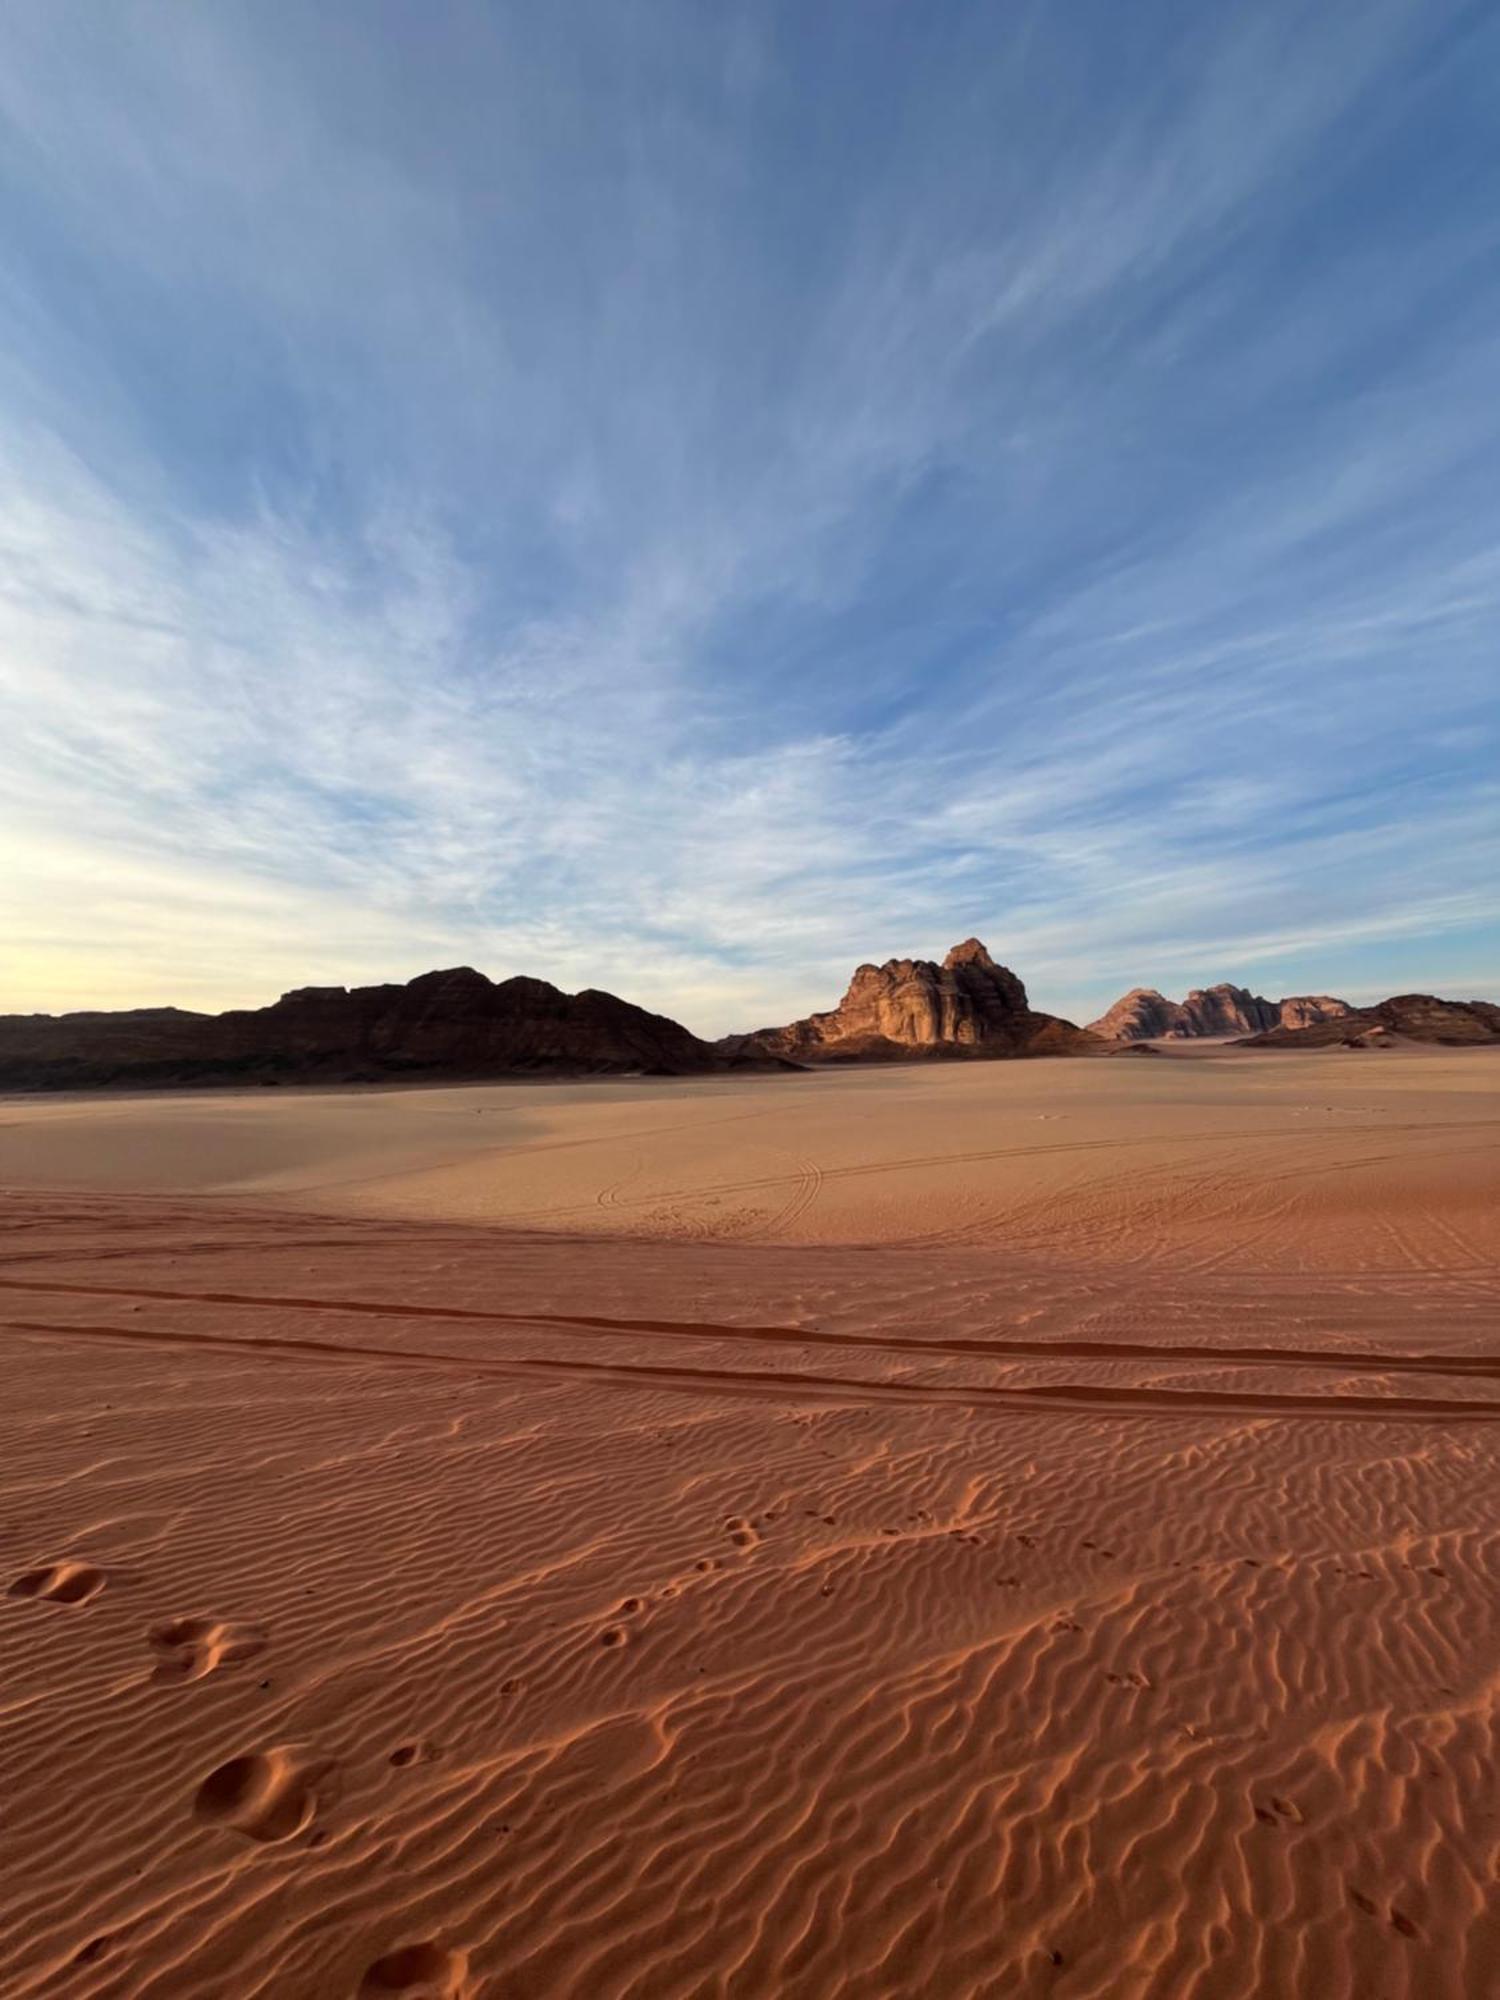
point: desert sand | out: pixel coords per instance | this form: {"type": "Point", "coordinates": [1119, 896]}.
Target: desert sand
{"type": "Point", "coordinates": [957, 1530]}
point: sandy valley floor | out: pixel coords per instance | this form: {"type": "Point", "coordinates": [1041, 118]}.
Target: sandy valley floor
{"type": "Point", "coordinates": [1014, 1529]}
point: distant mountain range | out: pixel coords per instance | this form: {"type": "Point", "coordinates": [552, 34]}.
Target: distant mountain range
{"type": "Point", "coordinates": [454, 1023]}
{"type": "Point", "coordinates": [1303, 1021]}
{"type": "Point", "coordinates": [1145, 1015]}
{"type": "Point", "coordinates": [1412, 1017]}
{"type": "Point", "coordinates": [460, 1024]}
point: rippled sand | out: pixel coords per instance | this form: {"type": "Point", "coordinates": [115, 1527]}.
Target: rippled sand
{"type": "Point", "coordinates": [1015, 1530]}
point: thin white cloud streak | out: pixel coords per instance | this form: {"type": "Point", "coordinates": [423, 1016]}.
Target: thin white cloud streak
{"type": "Point", "coordinates": [264, 732]}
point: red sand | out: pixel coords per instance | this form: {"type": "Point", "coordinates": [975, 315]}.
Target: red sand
{"type": "Point", "coordinates": [1038, 1535]}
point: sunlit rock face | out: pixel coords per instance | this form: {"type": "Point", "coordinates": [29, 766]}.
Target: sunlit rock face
{"type": "Point", "coordinates": [1306, 1010]}
{"type": "Point", "coordinates": [1412, 1017]}
{"type": "Point", "coordinates": [908, 1007]}
{"type": "Point", "coordinates": [1146, 1015]}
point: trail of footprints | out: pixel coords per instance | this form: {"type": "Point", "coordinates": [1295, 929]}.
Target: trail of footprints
{"type": "Point", "coordinates": [265, 1796]}
{"type": "Point", "coordinates": [186, 1648]}
{"type": "Point", "coordinates": [270, 1796]}
{"type": "Point", "coordinates": [741, 1532]}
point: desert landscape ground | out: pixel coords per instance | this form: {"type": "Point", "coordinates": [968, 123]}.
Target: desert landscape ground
{"type": "Point", "coordinates": [959, 1530]}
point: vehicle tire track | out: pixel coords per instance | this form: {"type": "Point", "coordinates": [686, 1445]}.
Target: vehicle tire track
{"type": "Point", "coordinates": [792, 1386]}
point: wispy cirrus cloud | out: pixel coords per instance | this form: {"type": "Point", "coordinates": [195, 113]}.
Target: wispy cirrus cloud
{"type": "Point", "coordinates": [688, 504]}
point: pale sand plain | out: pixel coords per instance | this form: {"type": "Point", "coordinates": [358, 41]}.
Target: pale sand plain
{"type": "Point", "coordinates": [1009, 1529]}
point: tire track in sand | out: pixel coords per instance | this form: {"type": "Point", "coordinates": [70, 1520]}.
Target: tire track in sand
{"type": "Point", "coordinates": [1476, 1367]}
{"type": "Point", "coordinates": [792, 1386]}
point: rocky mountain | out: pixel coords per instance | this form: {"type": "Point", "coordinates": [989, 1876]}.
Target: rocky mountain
{"type": "Point", "coordinates": [1145, 1015]}
{"type": "Point", "coordinates": [1416, 1017]}
{"type": "Point", "coordinates": [1307, 1010]}
{"type": "Point", "coordinates": [455, 1022]}
{"type": "Point", "coordinates": [910, 1007]}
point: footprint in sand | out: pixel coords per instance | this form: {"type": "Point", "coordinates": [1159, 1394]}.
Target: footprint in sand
{"type": "Point", "coordinates": [420, 1752]}
{"type": "Point", "coordinates": [189, 1648]}
{"type": "Point", "coordinates": [265, 1795]}
{"type": "Point", "coordinates": [60, 1583]}
{"type": "Point", "coordinates": [741, 1533]}
{"type": "Point", "coordinates": [427, 1970]}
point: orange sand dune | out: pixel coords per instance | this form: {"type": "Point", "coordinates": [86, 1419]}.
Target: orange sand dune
{"type": "Point", "coordinates": [1022, 1530]}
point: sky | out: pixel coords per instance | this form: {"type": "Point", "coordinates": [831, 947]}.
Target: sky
{"type": "Point", "coordinates": [686, 497]}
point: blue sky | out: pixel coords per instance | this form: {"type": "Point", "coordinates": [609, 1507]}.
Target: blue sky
{"type": "Point", "coordinates": [687, 497]}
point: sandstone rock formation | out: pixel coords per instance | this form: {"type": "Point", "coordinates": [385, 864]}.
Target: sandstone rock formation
{"type": "Point", "coordinates": [455, 1022]}
{"type": "Point", "coordinates": [910, 1007]}
{"type": "Point", "coordinates": [1146, 1015]}
{"type": "Point", "coordinates": [1306, 1010]}
{"type": "Point", "coordinates": [1417, 1017]}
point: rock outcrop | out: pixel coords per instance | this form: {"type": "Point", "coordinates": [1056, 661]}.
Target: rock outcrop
{"type": "Point", "coordinates": [1413, 1017]}
{"type": "Point", "coordinates": [911, 1007]}
{"type": "Point", "coordinates": [1145, 1015]}
{"type": "Point", "coordinates": [455, 1022]}
{"type": "Point", "coordinates": [1308, 1010]}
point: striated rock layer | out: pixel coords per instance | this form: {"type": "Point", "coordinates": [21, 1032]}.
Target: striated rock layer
{"type": "Point", "coordinates": [1418, 1017]}
{"type": "Point", "coordinates": [455, 1022]}
{"type": "Point", "coordinates": [911, 1007]}
{"type": "Point", "coordinates": [1146, 1015]}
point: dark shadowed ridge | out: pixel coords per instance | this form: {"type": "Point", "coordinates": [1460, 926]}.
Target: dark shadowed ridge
{"type": "Point", "coordinates": [443, 1023]}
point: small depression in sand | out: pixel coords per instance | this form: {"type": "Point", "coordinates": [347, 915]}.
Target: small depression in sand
{"type": "Point", "coordinates": [426, 1971]}
{"type": "Point", "coordinates": [266, 1795]}
{"type": "Point", "coordinates": [60, 1583]}
{"type": "Point", "coordinates": [189, 1648]}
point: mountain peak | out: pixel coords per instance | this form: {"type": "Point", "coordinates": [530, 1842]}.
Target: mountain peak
{"type": "Point", "coordinates": [970, 952]}
{"type": "Point", "coordinates": [967, 1006]}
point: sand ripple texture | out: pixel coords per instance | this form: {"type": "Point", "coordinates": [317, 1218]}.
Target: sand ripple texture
{"type": "Point", "coordinates": [402, 1607]}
